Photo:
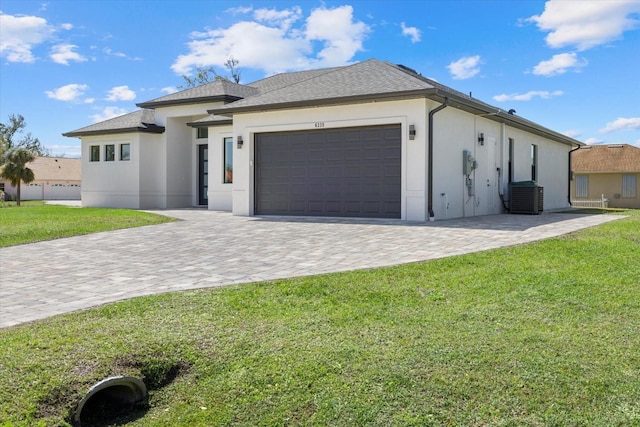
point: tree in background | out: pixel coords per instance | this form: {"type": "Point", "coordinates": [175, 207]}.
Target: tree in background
{"type": "Point", "coordinates": [10, 138]}
{"type": "Point", "coordinates": [16, 150]}
{"type": "Point", "coordinates": [208, 75]}
{"type": "Point", "coordinates": [15, 168]}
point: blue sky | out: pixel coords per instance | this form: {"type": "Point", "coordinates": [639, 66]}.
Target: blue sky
{"type": "Point", "coordinates": [569, 65]}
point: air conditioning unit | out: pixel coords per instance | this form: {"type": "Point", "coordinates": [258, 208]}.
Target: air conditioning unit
{"type": "Point", "coordinates": [526, 197]}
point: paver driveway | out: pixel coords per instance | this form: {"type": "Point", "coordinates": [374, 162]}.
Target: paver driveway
{"type": "Point", "coordinates": [215, 248]}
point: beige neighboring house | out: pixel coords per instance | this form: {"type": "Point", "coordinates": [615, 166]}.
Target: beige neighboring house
{"type": "Point", "coordinates": [610, 171]}
{"type": "Point", "coordinates": [56, 178]}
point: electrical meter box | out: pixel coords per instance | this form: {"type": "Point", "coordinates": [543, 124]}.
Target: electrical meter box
{"type": "Point", "coordinates": [467, 162]}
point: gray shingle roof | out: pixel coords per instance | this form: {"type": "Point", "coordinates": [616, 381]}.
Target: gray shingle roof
{"type": "Point", "coordinates": [361, 82]}
{"type": "Point", "coordinates": [138, 121]}
{"type": "Point", "coordinates": [211, 120]}
{"type": "Point", "coordinates": [281, 80]}
{"type": "Point", "coordinates": [370, 79]}
{"type": "Point", "coordinates": [220, 90]}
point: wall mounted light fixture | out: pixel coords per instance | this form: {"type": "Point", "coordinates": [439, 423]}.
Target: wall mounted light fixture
{"type": "Point", "coordinates": [412, 132]}
{"type": "Point", "coordinates": [481, 138]}
{"type": "Point", "coordinates": [240, 141]}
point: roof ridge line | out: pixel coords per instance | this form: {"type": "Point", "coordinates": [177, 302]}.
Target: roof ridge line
{"type": "Point", "coordinates": [327, 71]}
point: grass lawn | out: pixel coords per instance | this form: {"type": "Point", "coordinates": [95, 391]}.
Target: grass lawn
{"type": "Point", "coordinates": [543, 334]}
{"type": "Point", "coordinates": [35, 221]}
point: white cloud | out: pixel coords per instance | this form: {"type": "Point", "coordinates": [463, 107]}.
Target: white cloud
{"type": "Point", "coordinates": [587, 23]}
{"type": "Point", "coordinates": [544, 94]}
{"type": "Point", "coordinates": [412, 32]}
{"type": "Point", "coordinates": [465, 67]}
{"type": "Point", "coordinates": [169, 90]}
{"type": "Point", "coordinates": [108, 113]}
{"type": "Point", "coordinates": [559, 64]}
{"type": "Point", "coordinates": [273, 44]}
{"type": "Point", "coordinates": [66, 26]}
{"type": "Point", "coordinates": [341, 36]}
{"type": "Point", "coordinates": [63, 53]}
{"type": "Point", "coordinates": [622, 123]}
{"type": "Point", "coordinates": [110, 51]}
{"type": "Point", "coordinates": [279, 18]}
{"type": "Point", "coordinates": [240, 10]}
{"type": "Point", "coordinates": [20, 34]}
{"type": "Point", "coordinates": [71, 92]}
{"type": "Point", "coordinates": [593, 141]}
{"type": "Point", "coordinates": [572, 133]}
{"type": "Point", "coordinates": [121, 93]}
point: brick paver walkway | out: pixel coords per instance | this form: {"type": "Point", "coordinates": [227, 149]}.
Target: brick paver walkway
{"type": "Point", "coordinates": [214, 248]}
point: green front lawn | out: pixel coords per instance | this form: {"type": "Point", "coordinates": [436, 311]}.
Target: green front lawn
{"type": "Point", "coordinates": [544, 334]}
{"type": "Point", "coordinates": [35, 221]}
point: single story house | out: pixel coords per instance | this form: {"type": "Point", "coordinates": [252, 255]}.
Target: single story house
{"type": "Point", "coordinates": [372, 139]}
{"type": "Point", "coordinates": [610, 172]}
{"type": "Point", "coordinates": [56, 178]}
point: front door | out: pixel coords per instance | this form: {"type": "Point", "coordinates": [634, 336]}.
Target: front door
{"type": "Point", "coordinates": [203, 174]}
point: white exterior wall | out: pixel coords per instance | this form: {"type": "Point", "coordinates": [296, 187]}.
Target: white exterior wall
{"type": "Point", "coordinates": [552, 167]}
{"type": "Point", "coordinates": [179, 151]}
{"type": "Point", "coordinates": [453, 132]}
{"type": "Point", "coordinates": [151, 155]}
{"type": "Point", "coordinates": [312, 118]}
{"type": "Point", "coordinates": [220, 194]}
{"type": "Point", "coordinates": [111, 184]}
{"type": "Point", "coordinates": [181, 161]}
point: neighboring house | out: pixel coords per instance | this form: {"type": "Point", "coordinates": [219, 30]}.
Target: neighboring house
{"type": "Point", "coordinates": [56, 178]}
{"type": "Point", "coordinates": [606, 171]}
{"type": "Point", "coordinates": [372, 139]}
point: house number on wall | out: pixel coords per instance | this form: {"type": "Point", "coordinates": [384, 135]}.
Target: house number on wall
{"type": "Point", "coordinates": [319, 124]}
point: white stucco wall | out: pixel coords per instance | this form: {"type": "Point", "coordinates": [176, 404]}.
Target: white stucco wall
{"type": "Point", "coordinates": [115, 183]}
{"type": "Point", "coordinates": [552, 168]}
{"type": "Point", "coordinates": [453, 132]}
{"type": "Point", "coordinates": [152, 158]}
{"type": "Point", "coordinates": [220, 194]}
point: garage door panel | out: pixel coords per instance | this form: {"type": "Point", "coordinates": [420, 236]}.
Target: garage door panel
{"type": "Point", "coordinates": [338, 172]}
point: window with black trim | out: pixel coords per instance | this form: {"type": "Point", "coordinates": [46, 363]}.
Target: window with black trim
{"type": "Point", "coordinates": [109, 153]}
{"type": "Point", "coordinates": [228, 161]}
{"type": "Point", "coordinates": [125, 151]}
{"type": "Point", "coordinates": [202, 133]}
{"type": "Point", "coordinates": [94, 153]}
{"type": "Point", "coordinates": [534, 162]}
{"type": "Point", "coordinates": [511, 154]}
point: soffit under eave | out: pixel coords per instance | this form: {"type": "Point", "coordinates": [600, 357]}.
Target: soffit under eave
{"type": "Point", "coordinates": [151, 105]}
{"type": "Point", "coordinates": [210, 124]}
{"type": "Point", "coordinates": [230, 110]}
{"type": "Point", "coordinates": [156, 130]}
{"type": "Point", "coordinates": [501, 116]}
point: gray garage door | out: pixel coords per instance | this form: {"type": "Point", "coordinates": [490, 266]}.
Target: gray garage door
{"type": "Point", "coordinates": [348, 172]}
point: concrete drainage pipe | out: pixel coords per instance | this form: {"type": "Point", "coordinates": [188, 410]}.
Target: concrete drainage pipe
{"type": "Point", "coordinates": [111, 398]}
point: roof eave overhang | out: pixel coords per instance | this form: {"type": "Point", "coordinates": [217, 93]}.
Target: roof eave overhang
{"type": "Point", "coordinates": [439, 95]}
{"type": "Point", "coordinates": [210, 123]}
{"type": "Point", "coordinates": [231, 110]}
{"type": "Point", "coordinates": [152, 105]}
{"type": "Point", "coordinates": [150, 129]}
{"type": "Point", "coordinates": [501, 116]}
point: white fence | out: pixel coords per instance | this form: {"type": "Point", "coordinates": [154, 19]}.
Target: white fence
{"type": "Point", "coordinates": [594, 203]}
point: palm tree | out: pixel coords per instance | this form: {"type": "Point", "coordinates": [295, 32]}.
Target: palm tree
{"type": "Point", "coordinates": [15, 168]}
